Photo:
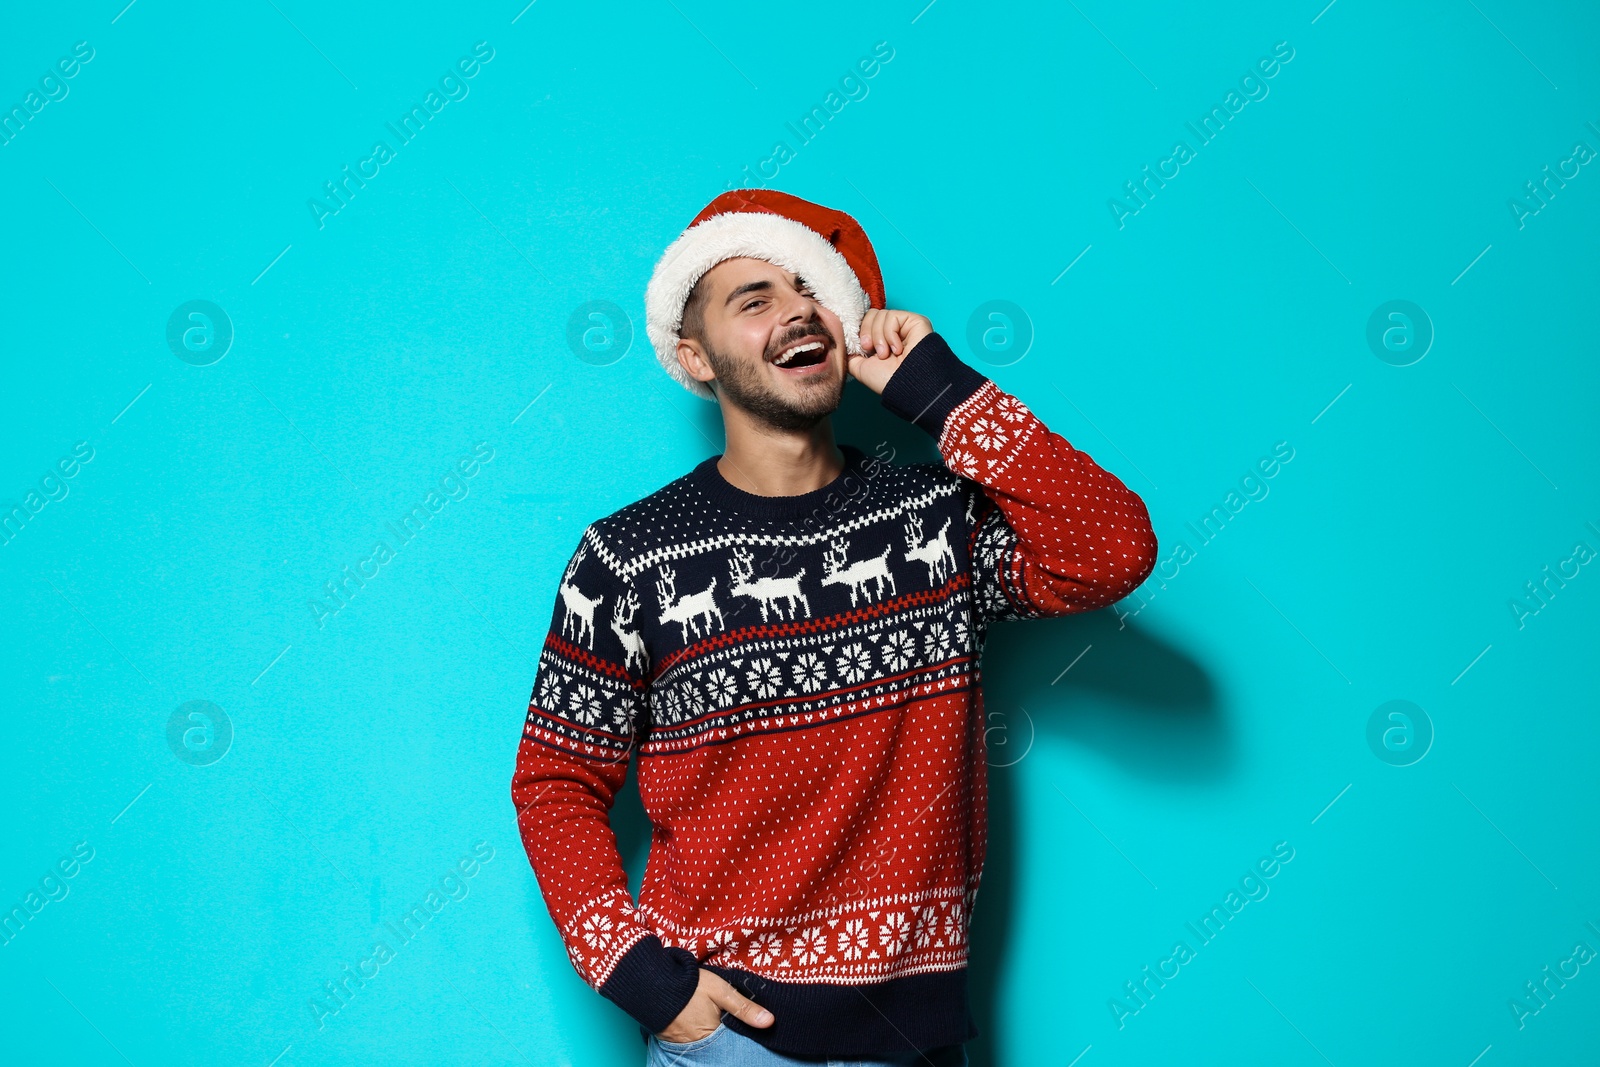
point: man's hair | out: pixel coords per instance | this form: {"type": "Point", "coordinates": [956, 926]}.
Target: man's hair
{"type": "Point", "coordinates": [694, 312]}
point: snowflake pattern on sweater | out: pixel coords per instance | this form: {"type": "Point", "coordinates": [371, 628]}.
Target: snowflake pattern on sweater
{"type": "Point", "coordinates": [798, 681]}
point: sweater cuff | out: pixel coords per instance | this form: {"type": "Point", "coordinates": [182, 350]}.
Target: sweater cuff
{"type": "Point", "coordinates": [653, 982]}
{"type": "Point", "coordinates": [930, 383]}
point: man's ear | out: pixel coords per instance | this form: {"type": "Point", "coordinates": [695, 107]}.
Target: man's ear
{"type": "Point", "coordinates": [693, 360]}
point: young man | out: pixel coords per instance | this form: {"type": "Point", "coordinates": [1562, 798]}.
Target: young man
{"type": "Point", "coordinates": [789, 638]}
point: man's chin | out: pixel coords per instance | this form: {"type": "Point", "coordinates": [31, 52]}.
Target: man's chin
{"type": "Point", "coordinates": [828, 382]}
{"type": "Point", "coordinates": [798, 404]}
{"type": "Point", "coordinates": [806, 384]}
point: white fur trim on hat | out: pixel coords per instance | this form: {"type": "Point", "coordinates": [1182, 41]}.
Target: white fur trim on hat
{"type": "Point", "coordinates": [778, 240]}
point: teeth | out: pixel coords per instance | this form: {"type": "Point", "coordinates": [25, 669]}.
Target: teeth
{"type": "Point", "coordinates": [789, 355]}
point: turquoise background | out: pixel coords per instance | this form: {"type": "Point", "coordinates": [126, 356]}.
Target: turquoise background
{"type": "Point", "coordinates": [1142, 764]}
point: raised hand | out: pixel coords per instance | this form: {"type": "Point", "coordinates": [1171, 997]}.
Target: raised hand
{"type": "Point", "coordinates": [887, 336]}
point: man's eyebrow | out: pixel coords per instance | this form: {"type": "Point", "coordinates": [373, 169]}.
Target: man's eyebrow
{"type": "Point", "coordinates": [748, 287]}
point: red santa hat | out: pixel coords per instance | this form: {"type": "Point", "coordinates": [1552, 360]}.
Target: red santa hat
{"type": "Point", "coordinates": [827, 248]}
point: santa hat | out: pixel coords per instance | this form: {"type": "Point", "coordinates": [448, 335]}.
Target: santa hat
{"type": "Point", "coordinates": [827, 248]}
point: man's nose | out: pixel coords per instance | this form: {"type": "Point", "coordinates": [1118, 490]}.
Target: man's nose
{"type": "Point", "coordinates": [798, 308]}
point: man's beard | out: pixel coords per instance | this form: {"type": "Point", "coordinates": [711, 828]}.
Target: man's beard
{"type": "Point", "coordinates": [746, 387]}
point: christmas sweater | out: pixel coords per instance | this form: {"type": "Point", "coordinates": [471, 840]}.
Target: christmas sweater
{"type": "Point", "coordinates": [797, 682]}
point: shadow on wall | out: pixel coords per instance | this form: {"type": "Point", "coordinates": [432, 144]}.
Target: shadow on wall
{"type": "Point", "coordinates": [1134, 699]}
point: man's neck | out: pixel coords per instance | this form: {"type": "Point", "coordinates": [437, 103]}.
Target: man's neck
{"type": "Point", "coordinates": [770, 462]}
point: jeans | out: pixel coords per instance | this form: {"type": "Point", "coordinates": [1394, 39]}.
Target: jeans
{"type": "Point", "coordinates": [725, 1048]}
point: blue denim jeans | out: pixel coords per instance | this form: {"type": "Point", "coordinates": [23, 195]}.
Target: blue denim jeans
{"type": "Point", "coordinates": [725, 1048]}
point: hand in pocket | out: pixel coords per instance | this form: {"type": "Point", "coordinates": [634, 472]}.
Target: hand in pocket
{"type": "Point", "coordinates": [714, 998]}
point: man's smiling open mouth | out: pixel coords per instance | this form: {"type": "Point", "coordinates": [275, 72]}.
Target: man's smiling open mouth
{"type": "Point", "coordinates": [807, 352]}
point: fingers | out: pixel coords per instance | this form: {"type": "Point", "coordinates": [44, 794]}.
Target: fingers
{"type": "Point", "coordinates": [892, 334]}
{"type": "Point", "coordinates": [884, 331]}
{"type": "Point", "coordinates": [876, 325]}
{"type": "Point", "coordinates": [737, 1004]}
{"type": "Point", "coordinates": [868, 320]}
{"type": "Point", "coordinates": [879, 329]}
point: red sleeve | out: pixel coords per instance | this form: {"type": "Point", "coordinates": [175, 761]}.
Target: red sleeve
{"type": "Point", "coordinates": [589, 702]}
{"type": "Point", "coordinates": [1051, 532]}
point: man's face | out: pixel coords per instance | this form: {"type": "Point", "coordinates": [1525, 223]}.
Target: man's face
{"type": "Point", "coordinates": [756, 313]}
